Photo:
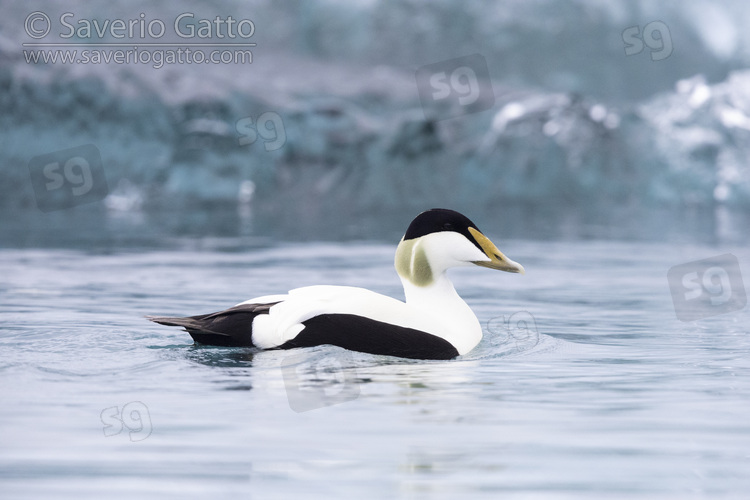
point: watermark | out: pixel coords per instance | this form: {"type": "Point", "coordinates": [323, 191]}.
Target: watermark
{"type": "Point", "coordinates": [138, 40]}
{"type": "Point", "coordinates": [707, 287]}
{"type": "Point", "coordinates": [515, 333]}
{"type": "Point", "coordinates": [312, 384]}
{"type": "Point", "coordinates": [134, 417]}
{"type": "Point", "coordinates": [157, 58]}
{"type": "Point", "coordinates": [655, 36]}
{"type": "Point", "coordinates": [269, 126]}
{"type": "Point", "coordinates": [456, 82]}
{"type": "Point", "coordinates": [67, 178]}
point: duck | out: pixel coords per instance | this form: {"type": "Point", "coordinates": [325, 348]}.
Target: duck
{"type": "Point", "coordinates": [434, 322]}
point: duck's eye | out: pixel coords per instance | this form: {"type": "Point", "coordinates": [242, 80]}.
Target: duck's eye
{"type": "Point", "coordinates": [448, 226]}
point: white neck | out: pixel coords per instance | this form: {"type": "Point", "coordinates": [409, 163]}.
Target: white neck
{"type": "Point", "coordinates": [449, 316]}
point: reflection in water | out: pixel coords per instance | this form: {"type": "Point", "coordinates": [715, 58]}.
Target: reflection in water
{"type": "Point", "coordinates": [224, 357]}
{"type": "Point", "coordinates": [233, 365]}
{"type": "Point", "coordinates": [320, 380]}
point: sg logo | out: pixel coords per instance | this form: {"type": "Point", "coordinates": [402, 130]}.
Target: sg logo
{"type": "Point", "coordinates": [68, 177]}
{"type": "Point", "coordinates": [517, 332]}
{"type": "Point", "coordinates": [661, 46]}
{"type": "Point", "coordinates": [707, 287]}
{"type": "Point", "coordinates": [463, 81]}
{"type": "Point", "coordinates": [456, 82]}
{"type": "Point", "coordinates": [134, 416]}
{"type": "Point", "coordinates": [274, 136]}
{"type": "Point", "coordinates": [318, 383]}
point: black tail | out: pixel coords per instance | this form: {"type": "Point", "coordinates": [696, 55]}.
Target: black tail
{"type": "Point", "coordinates": [232, 327]}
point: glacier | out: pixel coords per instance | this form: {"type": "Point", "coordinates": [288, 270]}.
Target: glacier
{"type": "Point", "coordinates": [332, 123]}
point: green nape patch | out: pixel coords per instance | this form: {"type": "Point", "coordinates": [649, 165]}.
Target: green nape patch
{"type": "Point", "coordinates": [412, 263]}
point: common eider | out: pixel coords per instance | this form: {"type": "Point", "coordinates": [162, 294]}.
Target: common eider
{"type": "Point", "coordinates": [433, 323]}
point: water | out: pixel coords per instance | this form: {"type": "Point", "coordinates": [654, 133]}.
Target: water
{"type": "Point", "coordinates": [612, 398]}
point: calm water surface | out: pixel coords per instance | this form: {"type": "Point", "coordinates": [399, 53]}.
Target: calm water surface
{"type": "Point", "coordinates": [585, 385]}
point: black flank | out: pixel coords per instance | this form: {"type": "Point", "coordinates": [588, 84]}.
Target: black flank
{"type": "Point", "coordinates": [358, 333]}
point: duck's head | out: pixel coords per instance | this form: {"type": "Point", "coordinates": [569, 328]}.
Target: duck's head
{"type": "Point", "coordinates": [439, 239]}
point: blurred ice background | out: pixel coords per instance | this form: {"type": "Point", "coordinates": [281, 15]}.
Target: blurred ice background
{"type": "Point", "coordinates": [582, 140]}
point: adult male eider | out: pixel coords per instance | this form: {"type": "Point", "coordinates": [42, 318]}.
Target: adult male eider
{"type": "Point", "coordinates": [433, 323]}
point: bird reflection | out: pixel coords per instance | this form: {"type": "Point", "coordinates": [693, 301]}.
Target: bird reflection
{"type": "Point", "coordinates": [228, 357]}
{"type": "Point", "coordinates": [238, 359]}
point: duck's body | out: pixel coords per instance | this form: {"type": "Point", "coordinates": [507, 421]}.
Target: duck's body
{"type": "Point", "coordinates": [433, 323]}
